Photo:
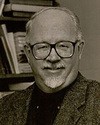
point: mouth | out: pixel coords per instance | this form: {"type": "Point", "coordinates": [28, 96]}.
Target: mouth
{"type": "Point", "coordinates": [53, 69]}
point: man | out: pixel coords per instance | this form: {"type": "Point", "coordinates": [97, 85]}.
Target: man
{"type": "Point", "coordinates": [60, 94]}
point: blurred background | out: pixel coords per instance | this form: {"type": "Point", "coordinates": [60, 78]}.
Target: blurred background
{"type": "Point", "coordinates": [88, 12]}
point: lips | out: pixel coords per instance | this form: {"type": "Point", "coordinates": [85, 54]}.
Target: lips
{"type": "Point", "coordinates": [53, 69]}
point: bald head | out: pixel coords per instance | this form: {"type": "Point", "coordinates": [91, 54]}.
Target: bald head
{"type": "Point", "coordinates": [58, 16]}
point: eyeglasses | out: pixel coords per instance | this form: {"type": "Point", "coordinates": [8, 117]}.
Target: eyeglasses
{"type": "Point", "coordinates": [64, 49]}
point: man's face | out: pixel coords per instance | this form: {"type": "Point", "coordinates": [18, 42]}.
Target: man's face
{"type": "Point", "coordinates": [53, 73]}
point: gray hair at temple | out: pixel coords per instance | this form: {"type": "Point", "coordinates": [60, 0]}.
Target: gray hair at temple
{"type": "Point", "coordinates": [72, 15]}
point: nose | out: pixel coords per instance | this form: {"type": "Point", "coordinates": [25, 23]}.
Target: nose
{"type": "Point", "coordinates": [53, 57]}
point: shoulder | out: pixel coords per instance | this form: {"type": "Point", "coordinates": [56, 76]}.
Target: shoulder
{"type": "Point", "coordinates": [93, 87]}
{"type": "Point", "coordinates": [91, 107]}
{"type": "Point", "coordinates": [90, 90]}
{"type": "Point", "coordinates": [14, 96]}
{"type": "Point", "coordinates": [15, 105]}
{"type": "Point", "coordinates": [91, 84]}
{"type": "Point", "coordinates": [93, 93]}
{"type": "Point", "coordinates": [92, 100]}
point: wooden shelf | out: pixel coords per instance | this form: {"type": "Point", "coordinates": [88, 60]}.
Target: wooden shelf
{"type": "Point", "coordinates": [16, 78]}
{"type": "Point", "coordinates": [9, 76]}
{"type": "Point", "coordinates": [7, 79]}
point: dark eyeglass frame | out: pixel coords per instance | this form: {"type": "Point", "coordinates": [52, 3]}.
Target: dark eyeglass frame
{"type": "Point", "coordinates": [53, 46]}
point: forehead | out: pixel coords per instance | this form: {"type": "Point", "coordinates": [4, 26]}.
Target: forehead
{"type": "Point", "coordinates": [52, 22]}
{"type": "Point", "coordinates": [52, 16]}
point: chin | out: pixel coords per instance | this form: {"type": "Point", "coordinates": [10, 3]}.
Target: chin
{"type": "Point", "coordinates": [58, 83]}
{"type": "Point", "coordinates": [54, 83]}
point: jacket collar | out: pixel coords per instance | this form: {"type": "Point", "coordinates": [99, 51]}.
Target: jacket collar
{"type": "Point", "coordinates": [73, 100]}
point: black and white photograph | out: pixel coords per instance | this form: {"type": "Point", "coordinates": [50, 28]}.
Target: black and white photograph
{"type": "Point", "coordinates": [49, 62]}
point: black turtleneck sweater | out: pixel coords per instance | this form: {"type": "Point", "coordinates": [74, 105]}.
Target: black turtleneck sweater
{"type": "Point", "coordinates": [44, 107]}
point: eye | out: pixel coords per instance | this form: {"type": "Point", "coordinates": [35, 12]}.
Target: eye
{"type": "Point", "coordinates": [41, 46]}
{"type": "Point", "coordinates": [63, 45]}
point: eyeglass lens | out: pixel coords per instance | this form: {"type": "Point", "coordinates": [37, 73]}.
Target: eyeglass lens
{"type": "Point", "coordinates": [42, 50]}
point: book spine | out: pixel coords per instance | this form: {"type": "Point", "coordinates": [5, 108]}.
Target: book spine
{"type": "Point", "coordinates": [13, 51]}
{"type": "Point", "coordinates": [5, 62]}
{"type": "Point", "coordinates": [22, 8]}
{"type": "Point", "coordinates": [2, 69]}
{"type": "Point", "coordinates": [22, 14]}
{"type": "Point", "coordinates": [2, 3]}
{"type": "Point", "coordinates": [32, 2]}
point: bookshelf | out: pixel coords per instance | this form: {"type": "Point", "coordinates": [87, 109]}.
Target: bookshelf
{"type": "Point", "coordinates": [15, 24]}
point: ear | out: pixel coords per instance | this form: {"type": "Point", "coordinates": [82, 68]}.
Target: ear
{"type": "Point", "coordinates": [27, 51]}
{"type": "Point", "coordinates": [80, 48]}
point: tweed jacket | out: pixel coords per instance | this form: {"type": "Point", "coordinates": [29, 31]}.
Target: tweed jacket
{"type": "Point", "coordinates": [81, 105]}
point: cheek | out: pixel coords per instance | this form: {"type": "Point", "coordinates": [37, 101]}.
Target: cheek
{"type": "Point", "coordinates": [75, 60]}
{"type": "Point", "coordinates": [71, 62]}
{"type": "Point", "coordinates": [35, 65]}
{"type": "Point", "coordinates": [68, 62]}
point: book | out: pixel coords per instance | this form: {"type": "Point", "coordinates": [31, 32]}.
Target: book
{"type": "Point", "coordinates": [3, 57]}
{"type": "Point", "coordinates": [3, 33]}
{"type": "Point", "coordinates": [2, 3]}
{"type": "Point", "coordinates": [18, 14]}
{"type": "Point", "coordinates": [19, 33]}
{"type": "Point", "coordinates": [13, 51]}
{"type": "Point", "coordinates": [31, 2]}
{"type": "Point", "coordinates": [2, 68]}
{"type": "Point", "coordinates": [22, 8]}
{"type": "Point", "coordinates": [19, 38]}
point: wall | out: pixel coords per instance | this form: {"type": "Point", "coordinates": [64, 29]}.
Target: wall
{"type": "Point", "coordinates": [89, 13]}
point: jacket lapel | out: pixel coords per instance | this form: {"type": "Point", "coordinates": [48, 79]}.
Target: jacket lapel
{"type": "Point", "coordinates": [74, 98]}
